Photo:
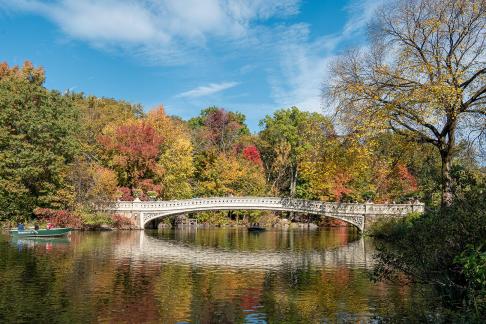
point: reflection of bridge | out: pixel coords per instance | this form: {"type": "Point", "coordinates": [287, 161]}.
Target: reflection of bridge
{"type": "Point", "coordinates": [359, 215]}
{"type": "Point", "coordinates": [150, 248]}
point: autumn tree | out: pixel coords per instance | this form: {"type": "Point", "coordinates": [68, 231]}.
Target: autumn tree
{"type": "Point", "coordinates": [285, 138]}
{"type": "Point", "coordinates": [132, 150]}
{"type": "Point", "coordinates": [95, 114]}
{"type": "Point", "coordinates": [93, 184]}
{"type": "Point", "coordinates": [218, 129]}
{"type": "Point", "coordinates": [251, 153]}
{"type": "Point", "coordinates": [37, 143]}
{"type": "Point", "coordinates": [175, 158]}
{"type": "Point", "coordinates": [337, 169]}
{"type": "Point", "coordinates": [224, 175]}
{"type": "Point", "coordinates": [423, 76]}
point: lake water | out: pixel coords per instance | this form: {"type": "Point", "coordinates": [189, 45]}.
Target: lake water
{"type": "Point", "coordinates": [200, 276]}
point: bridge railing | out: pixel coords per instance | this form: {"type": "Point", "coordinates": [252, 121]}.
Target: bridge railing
{"type": "Point", "coordinates": [269, 202]}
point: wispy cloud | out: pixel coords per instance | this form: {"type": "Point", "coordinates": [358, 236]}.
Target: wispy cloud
{"type": "Point", "coordinates": [291, 59]}
{"type": "Point", "coordinates": [303, 66]}
{"type": "Point", "coordinates": [207, 90]}
{"type": "Point", "coordinates": [159, 30]}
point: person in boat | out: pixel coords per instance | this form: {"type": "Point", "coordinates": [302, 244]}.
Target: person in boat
{"type": "Point", "coordinates": [36, 227]}
{"type": "Point", "coordinates": [20, 227]}
{"type": "Point", "coordinates": [49, 226]}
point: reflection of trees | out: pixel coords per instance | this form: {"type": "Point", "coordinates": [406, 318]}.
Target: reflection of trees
{"type": "Point", "coordinates": [87, 282]}
{"type": "Point", "coordinates": [240, 240]}
{"type": "Point", "coordinates": [173, 291]}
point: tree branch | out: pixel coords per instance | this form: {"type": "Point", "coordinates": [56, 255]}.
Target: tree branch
{"type": "Point", "coordinates": [471, 79]}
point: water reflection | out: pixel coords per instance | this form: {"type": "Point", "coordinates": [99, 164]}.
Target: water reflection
{"type": "Point", "coordinates": [202, 276]}
{"type": "Point", "coordinates": [271, 250]}
{"type": "Point", "coordinates": [40, 242]}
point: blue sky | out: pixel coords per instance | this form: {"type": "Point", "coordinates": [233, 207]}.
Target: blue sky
{"type": "Point", "coordinates": [252, 56]}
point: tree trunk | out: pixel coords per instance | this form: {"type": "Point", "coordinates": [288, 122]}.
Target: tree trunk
{"type": "Point", "coordinates": [447, 195]}
{"type": "Point", "coordinates": [293, 185]}
{"type": "Point", "coordinates": [293, 181]}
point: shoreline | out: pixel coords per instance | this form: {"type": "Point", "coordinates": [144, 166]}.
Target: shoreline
{"type": "Point", "coordinates": [106, 228]}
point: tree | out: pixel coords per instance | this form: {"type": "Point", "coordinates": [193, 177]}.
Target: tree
{"type": "Point", "coordinates": [92, 183]}
{"type": "Point", "coordinates": [218, 129]}
{"type": "Point", "coordinates": [37, 143]}
{"type": "Point", "coordinates": [95, 114]}
{"type": "Point", "coordinates": [224, 175]}
{"type": "Point", "coordinates": [175, 158]}
{"type": "Point", "coordinates": [285, 138]}
{"type": "Point", "coordinates": [251, 153]}
{"type": "Point", "coordinates": [423, 76]}
{"type": "Point", "coordinates": [338, 169]}
{"type": "Point", "coordinates": [132, 150]}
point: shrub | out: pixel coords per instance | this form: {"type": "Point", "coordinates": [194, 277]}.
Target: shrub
{"type": "Point", "coordinates": [152, 194]}
{"type": "Point", "coordinates": [122, 222]}
{"type": "Point", "coordinates": [58, 218]}
{"type": "Point", "coordinates": [445, 248]}
{"type": "Point", "coordinates": [472, 262]}
{"type": "Point", "coordinates": [388, 228]}
{"type": "Point", "coordinates": [95, 220]}
{"type": "Point", "coordinates": [137, 193]}
{"type": "Point", "coordinates": [125, 194]}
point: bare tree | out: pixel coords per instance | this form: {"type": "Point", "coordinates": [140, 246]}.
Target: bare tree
{"type": "Point", "coordinates": [423, 75]}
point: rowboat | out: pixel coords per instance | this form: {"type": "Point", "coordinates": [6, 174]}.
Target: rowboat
{"type": "Point", "coordinates": [53, 232]}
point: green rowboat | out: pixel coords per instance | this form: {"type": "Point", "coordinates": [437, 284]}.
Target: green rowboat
{"type": "Point", "coordinates": [53, 232]}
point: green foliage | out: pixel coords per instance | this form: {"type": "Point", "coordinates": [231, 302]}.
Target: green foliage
{"type": "Point", "coordinates": [37, 143]}
{"type": "Point", "coordinates": [137, 193]}
{"type": "Point", "coordinates": [473, 264]}
{"type": "Point", "coordinates": [444, 248]}
{"type": "Point", "coordinates": [93, 220]}
{"type": "Point", "coordinates": [152, 194]}
{"type": "Point", "coordinates": [472, 261]}
{"type": "Point", "coordinates": [285, 139]}
{"type": "Point", "coordinates": [393, 228]}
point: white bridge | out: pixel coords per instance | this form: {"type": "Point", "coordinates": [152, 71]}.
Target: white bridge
{"type": "Point", "coordinates": [359, 215]}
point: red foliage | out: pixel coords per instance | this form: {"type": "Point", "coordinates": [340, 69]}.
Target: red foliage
{"type": "Point", "coordinates": [122, 222]}
{"type": "Point", "coordinates": [126, 194]}
{"type": "Point", "coordinates": [148, 185]}
{"type": "Point", "coordinates": [251, 153]}
{"type": "Point", "coordinates": [409, 181]}
{"type": "Point", "coordinates": [135, 148]}
{"type": "Point", "coordinates": [340, 189]}
{"type": "Point", "coordinates": [58, 218]}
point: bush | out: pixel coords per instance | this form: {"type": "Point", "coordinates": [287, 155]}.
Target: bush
{"type": "Point", "coordinates": [152, 195]}
{"type": "Point", "coordinates": [122, 222]}
{"type": "Point", "coordinates": [388, 228]}
{"type": "Point", "coordinates": [124, 194]}
{"type": "Point", "coordinates": [58, 218]}
{"type": "Point", "coordinates": [445, 248]}
{"type": "Point", "coordinates": [95, 220]}
{"type": "Point", "coordinates": [472, 261]}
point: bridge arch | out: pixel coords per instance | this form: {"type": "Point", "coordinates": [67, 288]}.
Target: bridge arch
{"type": "Point", "coordinates": [355, 220]}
